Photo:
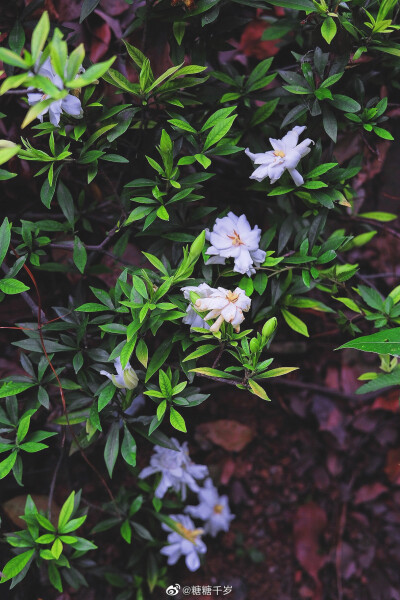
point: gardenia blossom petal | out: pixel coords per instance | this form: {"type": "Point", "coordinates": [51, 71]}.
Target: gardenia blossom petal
{"type": "Point", "coordinates": [192, 318]}
{"type": "Point", "coordinates": [125, 378]}
{"type": "Point", "coordinates": [225, 305]}
{"type": "Point", "coordinates": [286, 155]}
{"type": "Point", "coordinates": [187, 542]}
{"type": "Point", "coordinates": [213, 509]}
{"type": "Point", "coordinates": [71, 105]}
{"type": "Point", "coordinates": [233, 237]}
{"type": "Point", "coordinates": [178, 472]}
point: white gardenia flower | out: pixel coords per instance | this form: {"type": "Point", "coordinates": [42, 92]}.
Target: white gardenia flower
{"type": "Point", "coordinates": [192, 318]}
{"type": "Point", "coordinates": [187, 542]}
{"type": "Point", "coordinates": [178, 472]}
{"type": "Point", "coordinates": [233, 237]}
{"type": "Point", "coordinates": [70, 104]}
{"type": "Point", "coordinates": [125, 378]}
{"type": "Point", "coordinates": [213, 509]}
{"type": "Point", "coordinates": [286, 154]}
{"type": "Point", "coordinates": [225, 305]}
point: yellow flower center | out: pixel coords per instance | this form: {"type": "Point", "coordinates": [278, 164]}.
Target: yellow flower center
{"type": "Point", "coordinates": [189, 534]}
{"type": "Point", "coordinates": [279, 153]}
{"type": "Point", "coordinates": [218, 508]}
{"type": "Point", "coordinates": [232, 296]}
{"type": "Point", "coordinates": [236, 241]}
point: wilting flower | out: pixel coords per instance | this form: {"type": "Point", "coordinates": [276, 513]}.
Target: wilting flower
{"type": "Point", "coordinates": [213, 509]}
{"type": "Point", "coordinates": [125, 378]}
{"type": "Point", "coordinates": [225, 305]}
{"type": "Point", "coordinates": [286, 154]}
{"type": "Point", "coordinates": [192, 318]}
{"type": "Point", "coordinates": [187, 542]}
{"type": "Point", "coordinates": [233, 237]}
{"type": "Point", "coordinates": [70, 104]}
{"type": "Point", "coordinates": [178, 472]}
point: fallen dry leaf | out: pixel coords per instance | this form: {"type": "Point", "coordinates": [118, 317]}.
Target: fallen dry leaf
{"type": "Point", "coordinates": [230, 435]}
{"type": "Point", "coordinates": [392, 468]}
{"type": "Point", "coordinates": [309, 522]}
{"type": "Point", "coordinates": [369, 492]}
{"type": "Point", "coordinates": [15, 507]}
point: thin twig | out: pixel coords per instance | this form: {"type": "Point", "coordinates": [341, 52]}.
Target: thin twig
{"type": "Point", "coordinates": [221, 349]}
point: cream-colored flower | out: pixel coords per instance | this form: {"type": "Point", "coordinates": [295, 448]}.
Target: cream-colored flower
{"type": "Point", "coordinates": [286, 154]}
{"type": "Point", "coordinates": [125, 378]}
{"type": "Point", "coordinates": [233, 237]}
{"type": "Point", "coordinates": [224, 305]}
{"type": "Point", "coordinates": [192, 318]}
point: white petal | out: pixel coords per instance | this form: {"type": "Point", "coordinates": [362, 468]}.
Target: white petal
{"type": "Point", "coordinates": [229, 312]}
{"type": "Point", "coordinates": [297, 178]}
{"type": "Point", "coordinates": [55, 112]}
{"type": "Point", "coordinates": [192, 561]}
{"type": "Point", "coordinates": [243, 262]}
{"type": "Point", "coordinates": [71, 105]}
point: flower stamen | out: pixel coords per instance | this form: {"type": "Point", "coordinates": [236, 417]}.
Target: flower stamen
{"type": "Point", "coordinates": [218, 508]}
{"type": "Point", "coordinates": [279, 153]}
{"type": "Point", "coordinates": [236, 241]}
{"type": "Point", "coordinates": [232, 296]}
{"type": "Point", "coordinates": [189, 534]}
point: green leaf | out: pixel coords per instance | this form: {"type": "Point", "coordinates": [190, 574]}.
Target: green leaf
{"type": "Point", "coordinates": [142, 353]}
{"type": "Point", "coordinates": [11, 388]}
{"type": "Point", "coordinates": [164, 383]}
{"type": "Point", "coordinates": [320, 170]}
{"type": "Point", "coordinates": [88, 7]}
{"type": "Point", "coordinates": [66, 511]}
{"type": "Point", "coordinates": [258, 390]}
{"type": "Point", "coordinates": [39, 36]}
{"type": "Point", "coordinates": [378, 216]}
{"type": "Point", "coordinates": [7, 464]}
{"type": "Point", "coordinates": [23, 428]}
{"type": "Point", "coordinates": [73, 525]}
{"type": "Point", "coordinates": [126, 531]}
{"type": "Point", "coordinates": [158, 358]}
{"type": "Point", "coordinates": [128, 447]}
{"type": "Point", "coordinates": [295, 323]}
{"type": "Point", "coordinates": [349, 303]}
{"type": "Point", "coordinates": [91, 307]}
{"type": "Point", "coordinates": [382, 342]}
{"type": "Point", "coordinates": [54, 576]}
{"type": "Point", "coordinates": [218, 132]}
{"type": "Point", "coordinates": [79, 254]}
{"type": "Point", "coordinates": [111, 448]}
{"type": "Point", "coordinates": [11, 58]}
{"type": "Point", "coordinates": [277, 372]}
{"type": "Point", "coordinates": [328, 29]}
{"type": "Point", "coordinates": [106, 395]}
{"type": "Point", "coordinates": [213, 373]}
{"type": "Point", "coordinates": [12, 286]}
{"type": "Point", "coordinates": [177, 421]}
{"type": "Point", "coordinates": [330, 123]}
{"type": "Point", "coordinates": [5, 238]}
{"type": "Point", "coordinates": [161, 408]}
{"type": "Point", "coordinates": [91, 74]}
{"type": "Point", "coordinates": [16, 564]}
{"type": "Point", "coordinates": [162, 213]}
{"type": "Point", "coordinates": [140, 286]}
{"type": "Point", "coordinates": [383, 133]}
{"type": "Point", "coordinates": [136, 55]}
{"type": "Point", "coordinates": [345, 103]}
{"type": "Point", "coordinates": [201, 351]}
